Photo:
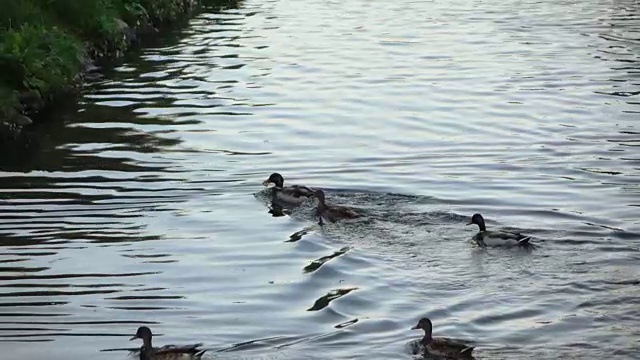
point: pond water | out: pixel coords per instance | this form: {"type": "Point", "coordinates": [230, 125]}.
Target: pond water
{"type": "Point", "coordinates": [144, 204]}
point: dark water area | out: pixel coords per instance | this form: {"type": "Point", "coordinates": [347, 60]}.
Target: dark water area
{"type": "Point", "coordinates": [144, 205]}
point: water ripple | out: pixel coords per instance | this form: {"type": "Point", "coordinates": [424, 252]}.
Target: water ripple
{"type": "Point", "coordinates": [143, 204]}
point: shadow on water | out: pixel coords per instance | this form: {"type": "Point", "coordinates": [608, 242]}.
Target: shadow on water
{"type": "Point", "coordinates": [316, 264]}
{"type": "Point", "coordinates": [84, 184]}
{"type": "Point", "coordinates": [324, 301]}
{"type": "Point", "coordinates": [216, 6]}
{"type": "Point", "coordinates": [76, 208]}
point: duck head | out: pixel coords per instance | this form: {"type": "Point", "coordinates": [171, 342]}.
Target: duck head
{"type": "Point", "coordinates": [478, 220]}
{"type": "Point", "coordinates": [275, 179]}
{"type": "Point", "coordinates": [143, 333]}
{"type": "Point", "coordinates": [426, 325]}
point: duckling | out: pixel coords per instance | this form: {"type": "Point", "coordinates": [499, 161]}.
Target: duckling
{"type": "Point", "coordinates": [167, 352]}
{"type": "Point", "coordinates": [293, 194]}
{"type": "Point", "coordinates": [442, 346]}
{"type": "Point", "coordinates": [497, 238]}
{"type": "Point", "coordinates": [330, 212]}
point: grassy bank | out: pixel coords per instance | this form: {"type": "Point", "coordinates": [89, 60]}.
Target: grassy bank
{"type": "Point", "coordinates": [45, 45]}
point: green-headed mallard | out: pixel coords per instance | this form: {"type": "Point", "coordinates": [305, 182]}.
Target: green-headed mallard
{"type": "Point", "coordinates": [497, 238]}
{"type": "Point", "coordinates": [442, 346]}
{"type": "Point", "coordinates": [167, 352]}
{"type": "Point", "coordinates": [331, 212]}
{"type": "Point", "coordinates": [293, 194]}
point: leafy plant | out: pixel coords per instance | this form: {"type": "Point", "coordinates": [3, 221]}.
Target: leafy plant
{"type": "Point", "coordinates": [40, 58]}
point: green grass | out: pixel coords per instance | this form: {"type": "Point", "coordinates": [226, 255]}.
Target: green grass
{"type": "Point", "coordinates": [42, 42]}
{"type": "Point", "coordinates": [38, 58]}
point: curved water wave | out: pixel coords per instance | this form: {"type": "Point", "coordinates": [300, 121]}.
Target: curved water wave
{"type": "Point", "coordinates": [317, 263]}
{"type": "Point", "coordinates": [324, 301]}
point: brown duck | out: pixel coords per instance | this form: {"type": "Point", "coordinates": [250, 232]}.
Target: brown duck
{"type": "Point", "coordinates": [167, 352]}
{"type": "Point", "coordinates": [331, 212]}
{"type": "Point", "coordinates": [442, 346]}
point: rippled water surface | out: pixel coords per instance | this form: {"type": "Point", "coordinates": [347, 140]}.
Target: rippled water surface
{"type": "Point", "coordinates": [144, 204]}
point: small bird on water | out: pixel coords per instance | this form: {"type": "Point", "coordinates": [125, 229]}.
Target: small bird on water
{"type": "Point", "coordinates": [294, 194]}
{"type": "Point", "coordinates": [497, 237]}
{"type": "Point", "coordinates": [167, 352]}
{"type": "Point", "coordinates": [332, 213]}
{"type": "Point", "coordinates": [442, 346]}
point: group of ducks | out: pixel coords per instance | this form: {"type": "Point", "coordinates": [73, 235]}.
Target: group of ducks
{"type": "Point", "coordinates": [296, 195]}
{"type": "Point", "coordinates": [435, 346]}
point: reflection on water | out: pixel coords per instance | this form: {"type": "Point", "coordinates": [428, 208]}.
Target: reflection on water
{"type": "Point", "coordinates": [324, 301]}
{"type": "Point", "coordinates": [143, 204]}
{"type": "Point", "coordinates": [317, 263]}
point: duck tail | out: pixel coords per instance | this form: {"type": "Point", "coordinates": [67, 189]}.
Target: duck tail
{"type": "Point", "coordinates": [524, 241]}
{"type": "Point", "coordinates": [199, 354]}
{"type": "Point", "coordinates": [466, 351]}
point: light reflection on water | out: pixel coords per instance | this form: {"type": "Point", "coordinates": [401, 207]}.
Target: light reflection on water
{"type": "Point", "coordinates": [144, 206]}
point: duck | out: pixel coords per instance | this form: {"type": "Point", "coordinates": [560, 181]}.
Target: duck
{"type": "Point", "coordinates": [294, 194]}
{"type": "Point", "coordinates": [442, 346]}
{"type": "Point", "coordinates": [497, 238]}
{"type": "Point", "coordinates": [167, 352]}
{"type": "Point", "coordinates": [331, 212]}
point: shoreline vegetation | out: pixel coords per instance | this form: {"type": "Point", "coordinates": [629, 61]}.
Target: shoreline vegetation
{"type": "Point", "coordinates": [48, 47]}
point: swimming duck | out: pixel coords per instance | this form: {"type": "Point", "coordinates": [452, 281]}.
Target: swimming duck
{"type": "Point", "coordinates": [331, 212]}
{"type": "Point", "coordinates": [167, 352]}
{"type": "Point", "coordinates": [442, 346]}
{"type": "Point", "coordinates": [497, 238]}
{"type": "Point", "coordinates": [293, 194]}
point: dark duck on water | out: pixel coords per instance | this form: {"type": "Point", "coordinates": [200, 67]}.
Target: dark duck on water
{"type": "Point", "coordinates": [167, 352]}
{"type": "Point", "coordinates": [294, 194]}
{"type": "Point", "coordinates": [442, 346]}
{"type": "Point", "coordinates": [331, 212]}
{"type": "Point", "coordinates": [497, 237]}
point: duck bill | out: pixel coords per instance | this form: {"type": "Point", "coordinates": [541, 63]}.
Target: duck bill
{"type": "Point", "coordinates": [469, 223]}
{"type": "Point", "coordinates": [133, 338]}
{"type": "Point", "coordinates": [415, 327]}
{"type": "Point", "coordinates": [266, 182]}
